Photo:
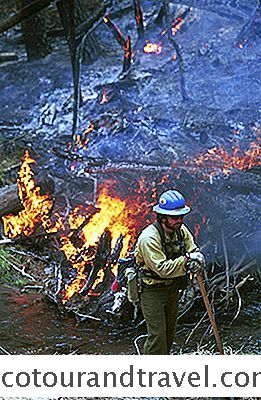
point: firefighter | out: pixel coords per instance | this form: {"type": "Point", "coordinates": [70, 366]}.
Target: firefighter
{"type": "Point", "coordinates": [164, 251]}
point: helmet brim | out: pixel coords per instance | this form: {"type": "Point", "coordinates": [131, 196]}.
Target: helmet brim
{"type": "Point", "coordinates": [181, 211]}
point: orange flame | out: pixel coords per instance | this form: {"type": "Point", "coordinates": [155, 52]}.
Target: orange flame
{"type": "Point", "coordinates": [199, 225]}
{"type": "Point", "coordinates": [218, 159]}
{"type": "Point", "coordinates": [36, 206]}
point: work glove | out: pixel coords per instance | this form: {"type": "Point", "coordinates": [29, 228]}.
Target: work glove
{"type": "Point", "coordinates": [197, 257]}
{"type": "Point", "coordinates": [196, 261]}
{"type": "Point", "coordinates": [194, 267]}
{"type": "Point", "coordinates": [132, 284]}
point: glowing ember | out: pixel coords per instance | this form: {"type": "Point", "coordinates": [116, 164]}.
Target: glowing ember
{"type": "Point", "coordinates": [218, 159]}
{"type": "Point", "coordinates": [152, 48]}
{"type": "Point", "coordinates": [198, 226]}
{"type": "Point", "coordinates": [104, 98]}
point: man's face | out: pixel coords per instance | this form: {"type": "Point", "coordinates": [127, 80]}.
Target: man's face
{"type": "Point", "coordinates": [173, 223]}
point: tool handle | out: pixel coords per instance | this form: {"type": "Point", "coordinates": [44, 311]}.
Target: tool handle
{"type": "Point", "coordinates": [210, 314]}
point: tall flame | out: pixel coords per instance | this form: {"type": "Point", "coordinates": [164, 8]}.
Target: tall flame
{"type": "Point", "coordinates": [36, 206]}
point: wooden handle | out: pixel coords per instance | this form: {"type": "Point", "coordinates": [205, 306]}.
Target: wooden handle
{"type": "Point", "coordinates": [210, 314]}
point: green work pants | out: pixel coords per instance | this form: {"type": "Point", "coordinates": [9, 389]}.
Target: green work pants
{"type": "Point", "coordinates": [160, 308]}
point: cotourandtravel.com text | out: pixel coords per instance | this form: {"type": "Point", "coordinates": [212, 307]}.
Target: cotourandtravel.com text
{"type": "Point", "coordinates": [96, 376]}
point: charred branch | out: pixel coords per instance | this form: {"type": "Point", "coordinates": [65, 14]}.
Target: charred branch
{"type": "Point", "coordinates": [127, 57]}
{"type": "Point", "coordinates": [100, 261]}
{"type": "Point", "coordinates": [248, 28]}
{"type": "Point", "coordinates": [118, 35]}
{"type": "Point", "coordinates": [26, 12]}
{"type": "Point", "coordinates": [177, 49]}
{"type": "Point", "coordinates": [139, 18]}
{"type": "Point", "coordinates": [8, 57]}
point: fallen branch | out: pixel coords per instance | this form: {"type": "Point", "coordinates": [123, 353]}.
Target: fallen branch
{"type": "Point", "coordinates": [87, 316]}
{"type": "Point", "coordinates": [139, 18]}
{"type": "Point", "coordinates": [226, 264]}
{"type": "Point", "coordinates": [29, 254]}
{"type": "Point", "coordinates": [196, 327]}
{"type": "Point", "coordinates": [26, 12]}
{"type": "Point", "coordinates": [29, 287]}
{"type": "Point", "coordinates": [6, 241]}
{"type": "Point", "coordinates": [5, 351]}
{"type": "Point", "coordinates": [4, 57]}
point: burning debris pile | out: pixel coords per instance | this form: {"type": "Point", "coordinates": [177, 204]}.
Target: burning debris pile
{"type": "Point", "coordinates": [171, 108]}
{"type": "Point", "coordinates": [90, 238]}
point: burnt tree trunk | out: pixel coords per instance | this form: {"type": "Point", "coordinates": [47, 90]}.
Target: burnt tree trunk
{"type": "Point", "coordinates": [34, 34]}
{"type": "Point", "coordinates": [91, 47]}
{"type": "Point", "coordinates": [66, 9]}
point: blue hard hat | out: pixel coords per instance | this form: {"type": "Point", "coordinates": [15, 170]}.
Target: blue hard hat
{"type": "Point", "coordinates": [171, 202]}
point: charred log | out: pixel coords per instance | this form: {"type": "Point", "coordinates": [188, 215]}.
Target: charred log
{"type": "Point", "coordinates": [9, 200]}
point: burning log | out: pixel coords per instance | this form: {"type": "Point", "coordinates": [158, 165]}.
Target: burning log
{"type": "Point", "coordinates": [100, 261]}
{"type": "Point", "coordinates": [74, 237]}
{"type": "Point", "coordinates": [139, 18]}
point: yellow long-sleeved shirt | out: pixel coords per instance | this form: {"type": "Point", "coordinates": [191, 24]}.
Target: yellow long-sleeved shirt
{"type": "Point", "coordinates": [149, 252]}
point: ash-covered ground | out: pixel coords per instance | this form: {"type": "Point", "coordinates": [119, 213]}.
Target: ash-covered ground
{"type": "Point", "coordinates": [142, 118]}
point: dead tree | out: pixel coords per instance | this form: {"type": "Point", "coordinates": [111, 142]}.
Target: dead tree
{"type": "Point", "coordinates": [34, 34]}
{"type": "Point", "coordinates": [76, 35]}
{"type": "Point", "coordinates": [177, 49]}
{"type": "Point", "coordinates": [139, 18]}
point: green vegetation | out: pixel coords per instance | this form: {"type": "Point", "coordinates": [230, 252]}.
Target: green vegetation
{"type": "Point", "coordinates": [7, 273]}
